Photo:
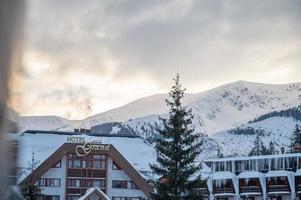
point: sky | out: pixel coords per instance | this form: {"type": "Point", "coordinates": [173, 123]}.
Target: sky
{"type": "Point", "coordinates": [85, 57]}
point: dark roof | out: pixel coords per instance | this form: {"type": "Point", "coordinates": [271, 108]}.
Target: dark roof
{"type": "Point", "coordinates": [79, 133]}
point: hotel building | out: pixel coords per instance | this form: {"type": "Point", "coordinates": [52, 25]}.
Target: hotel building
{"type": "Point", "coordinates": [272, 177]}
{"type": "Point", "coordinates": [74, 167]}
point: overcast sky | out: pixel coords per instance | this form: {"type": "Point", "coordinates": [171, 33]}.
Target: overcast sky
{"type": "Point", "coordinates": [85, 57]}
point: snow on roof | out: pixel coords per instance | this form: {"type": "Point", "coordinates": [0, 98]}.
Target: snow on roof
{"type": "Point", "coordinates": [298, 172]}
{"type": "Point", "coordinates": [250, 175]}
{"type": "Point", "coordinates": [254, 157]}
{"type": "Point", "coordinates": [138, 153]}
{"type": "Point", "coordinates": [90, 191]}
{"type": "Point", "coordinates": [223, 175]}
{"type": "Point", "coordinates": [278, 173]}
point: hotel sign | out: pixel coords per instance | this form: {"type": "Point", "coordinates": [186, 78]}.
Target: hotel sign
{"type": "Point", "coordinates": [86, 147]}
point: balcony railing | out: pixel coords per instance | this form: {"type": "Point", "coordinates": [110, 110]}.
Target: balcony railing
{"type": "Point", "coordinates": [223, 190]}
{"type": "Point", "coordinates": [250, 189]}
{"type": "Point", "coordinates": [278, 188]}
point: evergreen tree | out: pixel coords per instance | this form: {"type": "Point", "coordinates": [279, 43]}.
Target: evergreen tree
{"type": "Point", "coordinates": [259, 148]}
{"type": "Point", "coordinates": [219, 153]}
{"type": "Point", "coordinates": [31, 192]}
{"type": "Point", "coordinates": [177, 148]}
{"type": "Point", "coordinates": [296, 137]}
{"type": "Point", "coordinates": [271, 149]}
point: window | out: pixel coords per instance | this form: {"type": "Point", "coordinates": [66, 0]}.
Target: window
{"type": "Point", "coordinates": [99, 157]}
{"type": "Point", "coordinates": [99, 173]}
{"type": "Point", "coordinates": [99, 183]}
{"type": "Point", "coordinates": [72, 197]}
{"type": "Point", "coordinates": [98, 164]}
{"type": "Point", "coordinates": [84, 164]}
{"type": "Point", "coordinates": [132, 185]}
{"type": "Point", "coordinates": [40, 182]}
{"type": "Point", "coordinates": [58, 165]}
{"type": "Point", "coordinates": [50, 197]}
{"type": "Point", "coordinates": [115, 166]}
{"type": "Point", "coordinates": [49, 182]}
{"type": "Point", "coordinates": [73, 183]}
{"type": "Point", "coordinates": [74, 173]}
{"type": "Point", "coordinates": [52, 182]}
{"type": "Point", "coordinates": [119, 184]}
{"type": "Point", "coordinates": [74, 164]}
{"type": "Point", "coordinates": [124, 185]}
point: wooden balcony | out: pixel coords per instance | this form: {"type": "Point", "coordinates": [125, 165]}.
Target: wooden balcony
{"type": "Point", "coordinates": [223, 190]}
{"type": "Point", "coordinates": [250, 189]}
{"type": "Point", "coordinates": [223, 186]}
{"type": "Point", "coordinates": [251, 185]}
{"type": "Point", "coordinates": [278, 185]}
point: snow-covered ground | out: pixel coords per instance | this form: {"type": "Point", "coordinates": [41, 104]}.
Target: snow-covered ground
{"type": "Point", "coordinates": [276, 129]}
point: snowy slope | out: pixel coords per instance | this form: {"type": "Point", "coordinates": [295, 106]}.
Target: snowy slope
{"type": "Point", "coordinates": [45, 123]}
{"type": "Point", "coordinates": [276, 129]}
{"type": "Point", "coordinates": [215, 110]}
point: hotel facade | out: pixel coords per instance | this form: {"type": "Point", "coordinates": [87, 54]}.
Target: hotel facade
{"type": "Point", "coordinates": [73, 168]}
{"type": "Point", "coordinates": [272, 177]}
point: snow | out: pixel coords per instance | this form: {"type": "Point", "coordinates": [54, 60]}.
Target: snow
{"type": "Point", "coordinates": [223, 175]}
{"type": "Point", "coordinates": [135, 150]}
{"type": "Point", "coordinates": [115, 130]}
{"type": "Point", "coordinates": [90, 191]}
{"type": "Point", "coordinates": [215, 110]}
{"type": "Point", "coordinates": [278, 173]}
{"type": "Point", "coordinates": [276, 129]}
{"type": "Point", "coordinates": [298, 172]}
{"type": "Point", "coordinates": [244, 175]}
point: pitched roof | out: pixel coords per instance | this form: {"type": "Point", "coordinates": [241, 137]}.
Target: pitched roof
{"type": "Point", "coordinates": [94, 190]}
{"type": "Point", "coordinates": [70, 147]}
{"type": "Point", "coordinates": [43, 145]}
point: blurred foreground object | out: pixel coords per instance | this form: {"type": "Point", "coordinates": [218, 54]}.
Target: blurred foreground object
{"type": "Point", "coordinates": [11, 33]}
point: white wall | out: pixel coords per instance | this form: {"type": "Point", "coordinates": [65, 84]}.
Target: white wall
{"type": "Point", "coordinates": [56, 173]}
{"type": "Point", "coordinates": [120, 175]}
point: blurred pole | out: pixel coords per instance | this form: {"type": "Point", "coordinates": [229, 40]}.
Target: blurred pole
{"type": "Point", "coordinates": [11, 34]}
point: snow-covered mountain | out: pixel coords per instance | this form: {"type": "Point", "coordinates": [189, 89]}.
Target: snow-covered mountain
{"type": "Point", "coordinates": [215, 110]}
{"type": "Point", "coordinates": [224, 114]}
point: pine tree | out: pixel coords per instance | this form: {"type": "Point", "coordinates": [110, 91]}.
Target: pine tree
{"type": "Point", "coordinates": [296, 138]}
{"type": "Point", "coordinates": [259, 148]}
{"type": "Point", "coordinates": [219, 153]}
{"type": "Point", "coordinates": [177, 148]}
{"type": "Point", "coordinates": [31, 192]}
{"type": "Point", "coordinates": [271, 150]}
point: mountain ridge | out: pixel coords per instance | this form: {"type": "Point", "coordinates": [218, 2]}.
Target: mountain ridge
{"type": "Point", "coordinates": [216, 109]}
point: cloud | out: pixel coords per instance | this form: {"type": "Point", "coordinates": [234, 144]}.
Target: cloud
{"type": "Point", "coordinates": [107, 47]}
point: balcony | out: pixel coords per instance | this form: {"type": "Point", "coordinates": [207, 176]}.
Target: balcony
{"type": "Point", "coordinates": [251, 184]}
{"type": "Point", "coordinates": [278, 185]}
{"type": "Point", "coordinates": [298, 184]}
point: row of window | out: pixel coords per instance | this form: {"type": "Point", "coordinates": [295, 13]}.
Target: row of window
{"type": "Point", "coordinates": [292, 163]}
{"type": "Point", "coordinates": [124, 184]}
{"type": "Point", "coordinates": [252, 182]}
{"type": "Point", "coordinates": [77, 183]}
{"type": "Point", "coordinates": [89, 157]}
{"type": "Point", "coordinates": [86, 173]}
{"type": "Point", "coordinates": [49, 182]}
{"type": "Point", "coordinates": [95, 164]}
{"type": "Point", "coordinates": [127, 198]}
